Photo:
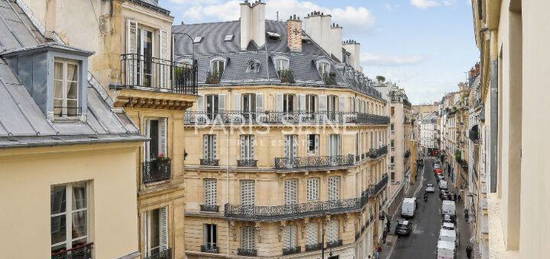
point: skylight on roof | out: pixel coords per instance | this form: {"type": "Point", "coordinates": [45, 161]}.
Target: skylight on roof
{"type": "Point", "coordinates": [228, 37]}
{"type": "Point", "coordinates": [273, 35]}
{"type": "Point", "coordinates": [197, 39]}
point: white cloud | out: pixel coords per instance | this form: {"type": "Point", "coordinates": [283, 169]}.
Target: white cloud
{"type": "Point", "coordinates": [424, 4]}
{"type": "Point", "coordinates": [351, 18]}
{"type": "Point", "coordinates": [369, 59]}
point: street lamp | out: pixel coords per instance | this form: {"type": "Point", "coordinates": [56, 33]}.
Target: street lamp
{"type": "Point", "coordinates": [192, 43]}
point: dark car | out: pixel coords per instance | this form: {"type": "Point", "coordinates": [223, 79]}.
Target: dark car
{"type": "Point", "coordinates": [440, 177]}
{"type": "Point", "coordinates": [448, 219]}
{"type": "Point", "coordinates": [404, 228]}
{"type": "Point", "coordinates": [444, 195]}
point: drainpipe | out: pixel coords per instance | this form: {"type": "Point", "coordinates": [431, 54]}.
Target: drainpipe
{"type": "Point", "coordinates": [494, 124]}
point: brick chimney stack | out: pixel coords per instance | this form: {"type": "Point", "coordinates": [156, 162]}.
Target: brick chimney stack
{"type": "Point", "coordinates": [294, 33]}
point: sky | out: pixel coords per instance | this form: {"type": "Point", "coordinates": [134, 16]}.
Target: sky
{"type": "Point", "coordinates": [426, 46]}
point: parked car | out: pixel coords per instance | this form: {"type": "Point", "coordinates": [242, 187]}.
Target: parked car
{"type": "Point", "coordinates": [404, 228]}
{"type": "Point", "coordinates": [448, 219]}
{"type": "Point", "coordinates": [448, 226]}
{"type": "Point", "coordinates": [430, 188]}
{"type": "Point", "coordinates": [445, 250]}
{"type": "Point", "coordinates": [449, 236]}
{"type": "Point", "coordinates": [440, 178]}
{"type": "Point", "coordinates": [448, 208]}
{"type": "Point", "coordinates": [408, 207]}
{"type": "Point", "coordinates": [443, 185]}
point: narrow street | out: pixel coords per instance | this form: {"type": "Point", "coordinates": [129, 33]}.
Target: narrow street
{"type": "Point", "coordinates": [422, 242]}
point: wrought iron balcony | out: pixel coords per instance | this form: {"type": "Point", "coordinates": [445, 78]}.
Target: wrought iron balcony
{"type": "Point", "coordinates": [210, 162]}
{"type": "Point", "coordinates": [314, 247]}
{"type": "Point", "coordinates": [247, 163]}
{"type": "Point", "coordinates": [377, 188]}
{"type": "Point", "coordinates": [156, 170]}
{"type": "Point", "coordinates": [292, 250]}
{"type": "Point", "coordinates": [272, 117]}
{"type": "Point", "coordinates": [335, 243]}
{"type": "Point", "coordinates": [160, 254]}
{"type": "Point", "coordinates": [314, 161]}
{"type": "Point", "coordinates": [376, 153]}
{"type": "Point", "coordinates": [213, 249]}
{"type": "Point", "coordinates": [81, 251]}
{"type": "Point", "coordinates": [210, 208]}
{"type": "Point", "coordinates": [150, 73]}
{"type": "Point", "coordinates": [247, 252]}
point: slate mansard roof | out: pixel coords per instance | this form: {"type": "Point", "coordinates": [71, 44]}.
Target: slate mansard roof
{"type": "Point", "coordinates": [22, 122]}
{"type": "Point", "coordinates": [303, 64]}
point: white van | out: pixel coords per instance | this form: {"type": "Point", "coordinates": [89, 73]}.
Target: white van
{"type": "Point", "coordinates": [408, 207]}
{"type": "Point", "coordinates": [448, 235]}
{"type": "Point", "coordinates": [445, 250]}
{"type": "Point", "coordinates": [448, 208]}
{"type": "Point", "coordinates": [443, 185]}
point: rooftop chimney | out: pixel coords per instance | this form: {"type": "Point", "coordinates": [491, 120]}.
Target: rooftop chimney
{"type": "Point", "coordinates": [354, 48]}
{"type": "Point", "coordinates": [252, 23]}
{"type": "Point", "coordinates": [294, 33]}
{"type": "Point", "coordinates": [336, 41]}
{"type": "Point", "coordinates": [319, 27]}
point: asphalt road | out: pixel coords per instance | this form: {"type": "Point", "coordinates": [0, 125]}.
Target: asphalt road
{"type": "Point", "coordinates": [422, 242]}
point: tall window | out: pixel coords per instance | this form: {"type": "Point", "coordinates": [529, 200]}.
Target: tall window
{"type": "Point", "coordinates": [291, 146]}
{"type": "Point", "coordinates": [247, 147]}
{"type": "Point", "coordinates": [312, 234]}
{"type": "Point", "coordinates": [313, 188]}
{"type": "Point", "coordinates": [290, 237]}
{"type": "Point", "coordinates": [248, 103]}
{"type": "Point", "coordinates": [217, 67]}
{"type": "Point", "coordinates": [145, 50]}
{"type": "Point", "coordinates": [311, 103]}
{"type": "Point", "coordinates": [323, 68]}
{"type": "Point", "coordinates": [313, 144]}
{"type": "Point", "coordinates": [156, 231]}
{"type": "Point", "coordinates": [248, 238]}
{"type": "Point", "coordinates": [209, 147]}
{"type": "Point", "coordinates": [210, 236]}
{"type": "Point", "coordinates": [248, 193]}
{"type": "Point", "coordinates": [65, 87]}
{"type": "Point", "coordinates": [212, 105]}
{"type": "Point", "coordinates": [281, 64]}
{"type": "Point", "coordinates": [334, 188]}
{"type": "Point", "coordinates": [332, 103]}
{"type": "Point", "coordinates": [210, 192]}
{"type": "Point", "coordinates": [291, 191]}
{"type": "Point", "coordinates": [289, 103]}
{"type": "Point", "coordinates": [333, 227]}
{"type": "Point", "coordinates": [335, 145]}
{"type": "Point", "coordinates": [69, 216]}
{"type": "Point", "coordinates": [156, 132]}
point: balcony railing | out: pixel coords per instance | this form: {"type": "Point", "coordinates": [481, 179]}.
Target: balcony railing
{"type": "Point", "coordinates": [81, 252]}
{"type": "Point", "coordinates": [157, 170]}
{"type": "Point", "coordinates": [314, 161]}
{"type": "Point", "coordinates": [247, 252]}
{"type": "Point", "coordinates": [335, 243]}
{"type": "Point", "coordinates": [303, 210]}
{"type": "Point", "coordinates": [247, 163]}
{"type": "Point", "coordinates": [376, 153]}
{"type": "Point", "coordinates": [210, 208]}
{"type": "Point", "coordinates": [210, 162]}
{"type": "Point", "coordinates": [150, 73]}
{"type": "Point", "coordinates": [213, 249]}
{"type": "Point", "coordinates": [292, 250]}
{"type": "Point", "coordinates": [271, 117]}
{"type": "Point", "coordinates": [314, 247]}
{"type": "Point", "coordinates": [160, 254]}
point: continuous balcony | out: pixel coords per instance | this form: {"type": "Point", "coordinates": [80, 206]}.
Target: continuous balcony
{"type": "Point", "coordinates": [284, 118]}
{"type": "Point", "coordinates": [303, 210]}
{"type": "Point", "coordinates": [313, 162]}
{"type": "Point", "coordinates": [81, 251]}
{"type": "Point", "coordinates": [156, 170]}
{"type": "Point", "coordinates": [149, 82]}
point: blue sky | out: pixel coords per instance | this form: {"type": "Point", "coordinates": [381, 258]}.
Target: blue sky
{"type": "Point", "coordinates": [424, 45]}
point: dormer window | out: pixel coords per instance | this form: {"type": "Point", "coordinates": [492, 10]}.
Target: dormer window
{"type": "Point", "coordinates": [217, 66]}
{"type": "Point", "coordinates": [66, 88]}
{"type": "Point", "coordinates": [324, 68]}
{"type": "Point", "coordinates": [253, 66]}
{"type": "Point", "coordinates": [281, 64]}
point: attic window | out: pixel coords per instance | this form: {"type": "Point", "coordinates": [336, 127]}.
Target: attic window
{"type": "Point", "coordinates": [324, 68]}
{"type": "Point", "coordinates": [274, 35]}
{"type": "Point", "coordinates": [228, 37]}
{"type": "Point", "coordinates": [197, 39]}
{"type": "Point", "coordinates": [253, 66]}
{"type": "Point", "coordinates": [66, 88]}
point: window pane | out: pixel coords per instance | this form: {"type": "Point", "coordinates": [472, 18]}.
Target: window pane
{"type": "Point", "coordinates": [79, 224]}
{"type": "Point", "coordinates": [58, 199]}
{"type": "Point", "coordinates": [58, 249]}
{"type": "Point", "coordinates": [58, 228]}
{"type": "Point", "coordinates": [57, 89]}
{"type": "Point", "coordinates": [79, 196]}
{"type": "Point", "coordinates": [78, 243]}
{"type": "Point", "coordinates": [155, 229]}
{"type": "Point", "coordinates": [72, 90]}
{"type": "Point", "coordinates": [58, 71]}
{"type": "Point", "coordinates": [72, 72]}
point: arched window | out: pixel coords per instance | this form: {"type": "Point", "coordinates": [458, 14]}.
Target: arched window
{"type": "Point", "coordinates": [281, 63]}
{"type": "Point", "coordinates": [217, 66]}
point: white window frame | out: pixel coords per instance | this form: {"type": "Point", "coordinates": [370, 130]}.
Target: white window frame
{"type": "Point", "coordinates": [281, 63]}
{"type": "Point", "coordinates": [210, 191]}
{"type": "Point", "coordinates": [290, 237]}
{"type": "Point", "coordinates": [213, 230]}
{"type": "Point", "coordinates": [215, 65]}
{"type": "Point", "coordinates": [313, 189]}
{"type": "Point", "coordinates": [248, 237]}
{"type": "Point", "coordinates": [247, 147]}
{"type": "Point", "coordinates": [312, 234]}
{"type": "Point", "coordinates": [291, 191]}
{"type": "Point", "coordinates": [333, 230]}
{"type": "Point", "coordinates": [248, 192]}
{"type": "Point", "coordinates": [334, 187]}
{"type": "Point", "coordinates": [323, 67]}
{"type": "Point", "coordinates": [162, 137]}
{"type": "Point", "coordinates": [315, 142]}
{"type": "Point", "coordinates": [163, 230]}
{"type": "Point", "coordinates": [64, 87]}
{"type": "Point", "coordinates": [68, 214]}
{"type": "Point", "coordinates": [209, 147]}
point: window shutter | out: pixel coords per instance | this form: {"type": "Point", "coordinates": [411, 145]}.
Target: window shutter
{"type": "Point", "coordinates": [287, 146]}
{"type": "Point", "coordinates": [248, 193]}
{"type": "Point", "coordinates": [163, 136]}
{"type": "Point", "coordinates": [294, 145]}
{"type": "Point", "coordinates": [221, 103]}
{"type": "Point", "coordinates": [165, 59]}
{"type": "Point", "coordinates": [339, 140]}
{"type": "Point", "coordinates": [243, 147]}
{"type": "Point", "coordinates": [341, 104]}
{"type": "Point", "coordinates": [289, 236]}
{"type": "Point", "coordinates": [313, 189]}
{"type": "Point", "coordinates": [210, 190]}
{"type": "Point", "coordinates": [200, 104]}
{"type": "Point", "coordinates": [252, 146]}
{"type": "Point", "coordinates": [131, 48]}
{"type": "Point", "coordinates": [279, 102]}
{"type": "Point", "coordinates": [312, 234]}
{"type": "Point", "coordinates": [291, 191]}
{"type": "Point", "coordinates": [322, 103]}
{"type": "Point", "coordinates": [214, 146]}
{"type": "Point", "coordinates": [317, 140]}
{"type": "Point", "coordinates": [302, 102]}
{"type": "Point", "coordinates": [237, 102]}
{"type": "Point", "coordinates": [163, 231]}
{"type": "Point", "coordinates": [334, 188]}
{"type": "Point", "coordinates": [332, 230]}
{"type": "Point", "coordinates": [259, 102]}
